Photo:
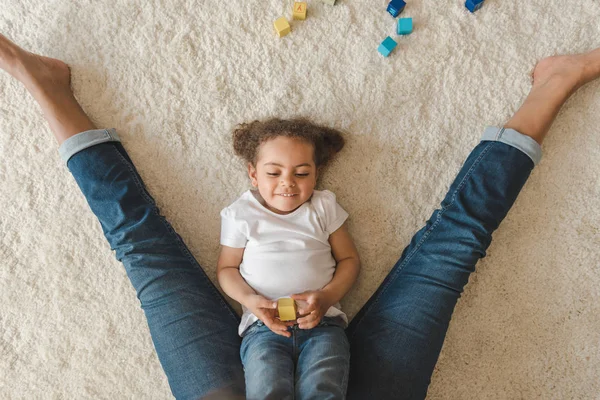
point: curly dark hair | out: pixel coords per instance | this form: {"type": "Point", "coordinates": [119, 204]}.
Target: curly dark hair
{"type": "Point", "coordinates": [247, 137]}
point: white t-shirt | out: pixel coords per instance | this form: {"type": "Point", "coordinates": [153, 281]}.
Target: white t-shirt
{"type": "Point", "coordinates": [285, 254]}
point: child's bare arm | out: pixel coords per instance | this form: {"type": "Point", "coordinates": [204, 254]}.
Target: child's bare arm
{"type": "Point", "coordinates": [348, 264]}
{"type": "Point", "coordinates": [234, 285]}
{"type": "Point", "coordinates": [228, 274]}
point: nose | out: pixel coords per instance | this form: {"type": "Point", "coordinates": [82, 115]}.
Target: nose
{"type": "Point", "coordinates": [287, 181]}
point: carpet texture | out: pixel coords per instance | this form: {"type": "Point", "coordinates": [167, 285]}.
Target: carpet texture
{"type": "Point", "coordinates": [174, 77]}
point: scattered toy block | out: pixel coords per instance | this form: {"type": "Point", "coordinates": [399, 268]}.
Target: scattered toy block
{"type": "Point", "coordinates": [287, 309]}
{"type": "Point", "coordinates": [282, 26]}
{"type": "Point", "coordinates": [395, 7]}
{"type": "Point", "coordinates": [474, 5]}
{"type": "Point", "coordinates": [299, 10]}
{"type": "Point", "coordinates": [405, 26]}
{"type": "Point", "coordinates": [330, 2]}
{"type": "Point", "coordinates": [387, 46]}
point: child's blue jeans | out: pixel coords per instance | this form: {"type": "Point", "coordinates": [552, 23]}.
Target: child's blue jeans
{"type": "Point", "coordinates": [312, 364]}
{"type": "Point", "coordinates": [395, 339]}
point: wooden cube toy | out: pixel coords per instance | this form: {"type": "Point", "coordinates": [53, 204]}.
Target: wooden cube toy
{"type": "Point", "coordinates": [287, 309]}
{"type": "Point", "coordinates": [386, 47]}
{"type": "Point", "coordinates": [330, 2]}
{"type": "Point", "coordinates": [395, 7]}
{"type": "Point", "coordinates": [299, 10]}
{"type": "Point", "coordinates": [405, 26]}
{"type": "Point", "coordinates": [282, 26]}
{"type": "Point", "coordinates": [474, 5]}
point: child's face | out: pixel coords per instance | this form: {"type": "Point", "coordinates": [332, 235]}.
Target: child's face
{"type": "Point", "coordinates": [296, 173]}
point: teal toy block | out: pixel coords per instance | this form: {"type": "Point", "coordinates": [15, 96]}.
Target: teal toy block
{"type": "Point", "coordinates": [405, 26]}
{"type": "Point", "coordinates": [473, 5]}
{"type": "Point", "coordinates": [386, 47]}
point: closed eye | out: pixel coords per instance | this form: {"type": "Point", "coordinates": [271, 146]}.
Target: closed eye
{"type": "Point", "coordinates": [270, 174]}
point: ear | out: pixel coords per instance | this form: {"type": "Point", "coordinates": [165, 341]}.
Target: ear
{"type": "Point", "coordinates": [252, 175]}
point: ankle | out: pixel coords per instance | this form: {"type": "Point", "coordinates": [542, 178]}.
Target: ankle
{"type": "Point", "coordinates": [44, 76]}
{"type": "Point", "coordinates": [14, 66]}
{"type": "Point", "coordinates": [556, 89]}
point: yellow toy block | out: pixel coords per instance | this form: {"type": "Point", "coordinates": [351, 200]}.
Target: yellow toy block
{"type": "Point", "coordinates": [282, 26]}
{"type": "Point", "coordinates": [287, 309]}
{"type": "Point", "coordinates": [299, 10]}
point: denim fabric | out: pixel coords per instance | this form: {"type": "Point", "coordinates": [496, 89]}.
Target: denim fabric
{"type": "Point", "coordinates": [86, 139]}
{"type": "Point", "coordinates": [193, 328]}
{"type": "Point", "coordinates": [311, 364]}
{"type": "Point", "coordinates": [395, 339]}
{"type": "Point", "coordinates": [515, 139]}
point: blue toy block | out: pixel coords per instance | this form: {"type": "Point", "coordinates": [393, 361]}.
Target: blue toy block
{"type": "Point", "coordinates": [474, 5]}
{"type": "Point", "coordinates": [395, 7]}
{"type": "Point", "coordinates": [405, 26]}
{"type": "Point", "coordinates": [387, 46]}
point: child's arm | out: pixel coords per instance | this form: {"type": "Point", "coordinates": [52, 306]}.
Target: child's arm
{"type": "Point", "coordinates": [228, 274]}
{"type": "Point", "coordinates": [348, 265]}
{"type": "Point", "coordinates": [236, 287]}
{"type": "Point", "coordinates": [346, 272]}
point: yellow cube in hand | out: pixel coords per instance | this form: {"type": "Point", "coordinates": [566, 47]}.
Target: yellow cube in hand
{"type": "Point", "coordinates": [287, 309]}
{"type": "Point", "coordinates": [299, 10]}
{"type": "Point", "coordinates": [282, 26]}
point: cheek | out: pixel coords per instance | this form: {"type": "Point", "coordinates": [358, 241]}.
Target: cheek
{"type": "Point", "coordinates": [269, 186]}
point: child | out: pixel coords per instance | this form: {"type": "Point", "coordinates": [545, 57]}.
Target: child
{"type": "Point", "coordinates": [280, 241]}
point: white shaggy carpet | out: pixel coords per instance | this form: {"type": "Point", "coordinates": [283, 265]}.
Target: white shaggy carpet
{"type": "Point", "coordinates": [174, 77]}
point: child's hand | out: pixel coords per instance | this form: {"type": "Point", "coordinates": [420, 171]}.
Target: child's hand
{"type": "Point", "coordinates": [312, 308]}
{"type": "Point", "coordinates": [266, 311]}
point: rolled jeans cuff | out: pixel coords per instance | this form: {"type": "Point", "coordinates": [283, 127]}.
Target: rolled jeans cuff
{"type": "Point", "coordinates": [86, 139]}
{"type": "Point", "coordinates": [515, 139]}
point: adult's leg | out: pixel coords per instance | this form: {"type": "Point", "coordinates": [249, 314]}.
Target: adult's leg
{"type": "Point", "coordinates": [193, 328]}
{"type": "Point", "coordinates": [397, 336]}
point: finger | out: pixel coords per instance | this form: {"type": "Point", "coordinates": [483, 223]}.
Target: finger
{"type": "Point", "coordinates": [307, 309]}
{"type": "Point", "coordinates": [265, 317]}
{"type": "Point", "coordinates": [280, 330]}
{"type": "Point", "coordinates": [288, 323]}
{"type": "Point", "coordinates": [307, 319]}
{"type": "Point", "coordinates": [281, 324]}
{"type": "Point", "coordinates": [309, 325]}
{"type": "Point", "coordinates": [272, 323]}
{"type": "Point", "coordinates": [300, 296]}
{"type": "Point", "coordinates": [284, 334]}
{"type": "Point", "coordinates": [268, 304]}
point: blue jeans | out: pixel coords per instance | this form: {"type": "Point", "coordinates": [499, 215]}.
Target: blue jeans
{"type": "Point", "coordinates": [395, 339]}
{"type": "Point", "coordinates": [311, 364]}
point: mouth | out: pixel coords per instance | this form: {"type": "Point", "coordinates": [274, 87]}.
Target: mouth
{"type": "Point", "coordinates": [286, 194]}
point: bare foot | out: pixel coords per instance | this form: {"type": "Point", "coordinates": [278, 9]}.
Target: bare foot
{"type": "Point", "coordinates": [568, 71]}
{"type": "Point", "coordinates": [555, 79]}
{"type": "Point", "coordinates": [49, 82]}
{"type": "Point", "coordinates": [33, 70]}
